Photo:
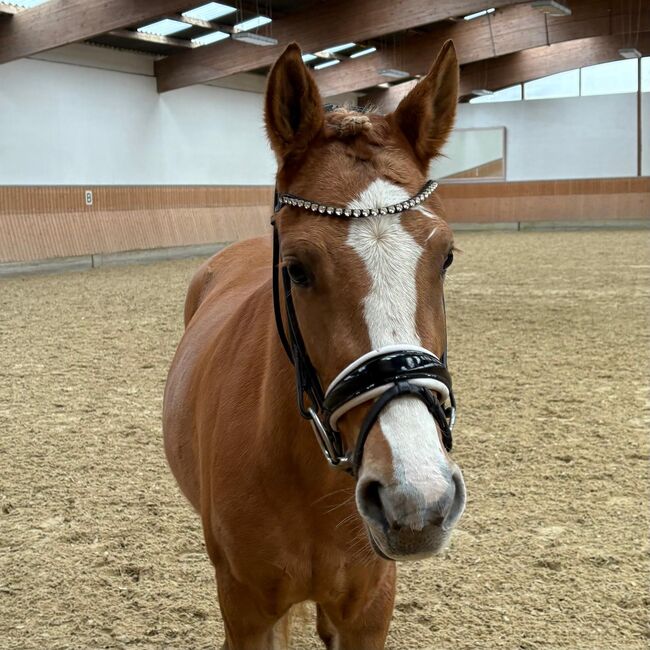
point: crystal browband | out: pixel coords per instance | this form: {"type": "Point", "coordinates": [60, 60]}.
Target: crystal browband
{"type": "Point", "coordinates": [320, 208]}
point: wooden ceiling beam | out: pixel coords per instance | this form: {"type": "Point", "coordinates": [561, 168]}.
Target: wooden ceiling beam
{"type": "Point", "coordinates": [7, 10]}
{"type": "Point", "coordinates": [141, 37]}
{"type": "Point", "coordinates": [60, 22]}
{"type": "Point", "coordinates": [540, 62]}
{"type": "Point", "coordinates": [527, 65]}
{"type": "Point", "coordinates": [508, 30]}
{"type": "Point", "coordinates": [314, 28]}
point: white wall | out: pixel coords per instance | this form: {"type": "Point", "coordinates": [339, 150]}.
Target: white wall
{"type": "Point", "coordinates": [64, 123]}
{"type": "Point", "coordinates": [68, 124]}
{"type": "Point", "coordinates": [577, 137]}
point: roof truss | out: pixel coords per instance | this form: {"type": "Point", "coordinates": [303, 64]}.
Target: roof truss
{"type": "Point", "coordinates": [520, 67]}
{"type": "Point", "coordinates": [60, 22]}
{"type": "Point", "coordinates": [315, 28]}
{"type": "Point", "coordinates": [509, 30]}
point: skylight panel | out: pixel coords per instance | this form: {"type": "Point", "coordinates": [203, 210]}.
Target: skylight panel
{"type": "Point", "coordinates": [327, 64]}
{"type": "Point", "coordinates": [164, 27]}
{"type": "Point", "coordinates": [368, 50]}
{"type": "Point", "coordinates": [210, 11]}
{"type": "Point", "coordinates": [28, 4]}
{"type": "Point", "coordinates": [340, 48]}
{"type": "Point", "coordinates": [213, 37]}
{"type": "Point", "coordinates": [478, 14]}
{"type": "Point", "coordinates": [252, 23]}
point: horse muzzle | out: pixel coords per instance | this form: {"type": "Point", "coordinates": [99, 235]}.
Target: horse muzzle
{"type": "Point", "coordinates": [403, 524]}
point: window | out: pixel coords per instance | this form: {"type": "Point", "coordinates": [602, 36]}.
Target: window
{"type": "Point", "coordinates": [610, 78]}
{"type": "Point", "coordinates": [511, 94]}
{"type": "Point", "coordinates": [210, 11]}
{"type": "Point", "coordinates": [563, 84]}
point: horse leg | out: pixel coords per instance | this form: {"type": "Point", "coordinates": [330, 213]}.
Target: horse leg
{"type": "Point", "coordinates": [360, 626]}
{"type": "Point", "coordinates": [325, 628]}
{"type": "Point", "coordinates": [249, 625]}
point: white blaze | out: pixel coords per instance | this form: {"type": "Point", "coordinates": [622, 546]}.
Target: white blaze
{"type": "Point", "coordinates": [391, 257]}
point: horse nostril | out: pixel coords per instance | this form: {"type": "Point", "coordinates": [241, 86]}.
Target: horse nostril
{"type": "Point", "coordinates": [457, 503]}
{"type": "Point", "coordinates": [436, 520]}
{"type": "Point", "coordinates": [370, 500]}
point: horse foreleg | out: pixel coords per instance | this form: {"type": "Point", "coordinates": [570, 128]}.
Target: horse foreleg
{"type": "Point", "coordinates": [325, 628]}
{"type": "Point", "coordinates": [353, 625]}
{"type": "Point", "coordinates": [248, 624]}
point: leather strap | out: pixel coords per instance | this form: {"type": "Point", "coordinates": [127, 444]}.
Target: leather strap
{"type": "Point", "coordinates": [400, 388]}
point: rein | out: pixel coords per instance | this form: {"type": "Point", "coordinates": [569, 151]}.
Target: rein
{"type": "Point", "coordinates": [381, 375]}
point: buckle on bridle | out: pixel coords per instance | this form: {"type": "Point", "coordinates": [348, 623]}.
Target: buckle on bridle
{"type": "Point", "coordinates": [326, 443]}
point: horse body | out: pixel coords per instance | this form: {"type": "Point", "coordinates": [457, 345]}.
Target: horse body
{"type": "Point", "coordinates": [281, 526]}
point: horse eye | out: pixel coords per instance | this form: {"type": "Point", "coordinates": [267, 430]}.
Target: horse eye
{"type": "Point", "coordinates": [298, 274]}
{"type": "Point", "coordinates": [448, 261]}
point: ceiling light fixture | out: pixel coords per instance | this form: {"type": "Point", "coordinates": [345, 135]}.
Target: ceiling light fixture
{"type": "Point", "coordinates": [481, 92]}
{"type": "Point", "coordinates": [393, 73]}
{"type": "Point", "coordinates": [209, 11]}
{"type": "Point", "coordinates": [327, 64]}
{"type": "Point", "coordinates": [164, 27]}
{"type": "Point", "coordinates": [252, 23]}
{"type": "Point", "coordinates": [340, 48]}
{"type": "Point", "coordinates": [308, 57]}
{"type": "Point", "coordinates": [254, 39]}
{"type": "Point", "coordinates": [384, 85]}
{"type": "Point", "coordinates": [478, 14]}
{"type": "Point", "coordinates": [551, 7]}
{"type": "Point", "coordinates": [630, 53]}
{"type": "Point", "coordinates": [368, 50]}
{"type": "Point", "coordinates": [213, 37]}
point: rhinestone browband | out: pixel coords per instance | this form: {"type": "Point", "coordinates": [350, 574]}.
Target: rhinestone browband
{"type": "Point", "coordinates": [297, 202]}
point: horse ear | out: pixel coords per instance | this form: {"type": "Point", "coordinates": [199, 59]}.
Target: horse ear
{"type": "Point", "coordinates": [426, 115]}
{"type": "Point", "coordinates": [293, 106]}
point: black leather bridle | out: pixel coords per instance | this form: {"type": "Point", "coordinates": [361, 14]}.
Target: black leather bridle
{"type": "Point", "coordinates": [382, 375]}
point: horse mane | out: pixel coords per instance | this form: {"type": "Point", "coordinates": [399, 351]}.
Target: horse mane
{"type": "Point", "coordinates": [348, 120]}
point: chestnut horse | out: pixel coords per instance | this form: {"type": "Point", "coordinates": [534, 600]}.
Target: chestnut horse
{"type": "Point", "coordinates": [358, 290]}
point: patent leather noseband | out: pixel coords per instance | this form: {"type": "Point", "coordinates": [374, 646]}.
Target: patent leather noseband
{"type": "Point", "coordinates": [381, 375]}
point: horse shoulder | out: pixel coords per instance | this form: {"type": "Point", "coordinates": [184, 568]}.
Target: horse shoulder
{"type": "Point", "coordinates": [218, 290]}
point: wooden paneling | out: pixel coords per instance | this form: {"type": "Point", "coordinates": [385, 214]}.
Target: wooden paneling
{"type": "Point", "coordinates": [62, 199]}
{"type": "Point", "coordinates": [492, 169]}
{"type": "Point", "coordinates": [45, 222]}
{"type": "Point", "coordinates": [38, 223]}
{"type": "Point", "coordinates": [570, 200]}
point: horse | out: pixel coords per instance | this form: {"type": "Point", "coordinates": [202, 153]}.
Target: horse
{"type": "Point", "coordinates": [315, 498]}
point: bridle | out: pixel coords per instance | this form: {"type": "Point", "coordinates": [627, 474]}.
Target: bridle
{"type": "Point", "coordinates": [381, 375]}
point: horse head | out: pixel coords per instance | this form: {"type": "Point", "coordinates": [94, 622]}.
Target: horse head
{"type": "Point", "coordinates": [365, 248]}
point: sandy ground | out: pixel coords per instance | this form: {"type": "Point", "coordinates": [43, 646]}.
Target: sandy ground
{"type": "Point", "coordinates": [549, 336]}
